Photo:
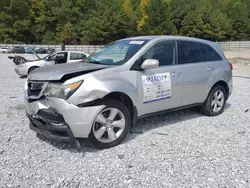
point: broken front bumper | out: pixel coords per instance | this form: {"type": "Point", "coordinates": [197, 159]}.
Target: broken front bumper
{"type": "Point", "coordinates": [51, 124]}
{"type": "Point", "coordinates": [56, 119]}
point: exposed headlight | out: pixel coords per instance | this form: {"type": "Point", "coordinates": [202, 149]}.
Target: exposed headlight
{"type": "Point", "coordinates": [59, 90]}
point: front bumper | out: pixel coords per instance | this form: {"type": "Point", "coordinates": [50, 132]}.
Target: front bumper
{"type": "Point", "coordinates": [51, 127]}
{"type": "Point", "coordinates": [20, 71]}
{"type": "Point", "coordinates": [57, 119]}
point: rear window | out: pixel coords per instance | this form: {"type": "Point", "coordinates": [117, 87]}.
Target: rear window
{"type": "Point", "coordinates": [190, 52]}
{"type": "Point", "coordinates": [75, 56]}
{"type": "Point", "coordinates": [211, 54]}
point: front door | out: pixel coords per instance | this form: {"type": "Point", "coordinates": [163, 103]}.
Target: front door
{"type": "Point", "coordinates": [50, 60]}
{"type": "Point", "coordinates": [160, 88]}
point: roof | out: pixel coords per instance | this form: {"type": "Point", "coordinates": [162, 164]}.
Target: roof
{"type": "Point", "coordinates": [71, 51]}
{"type": "Point", "coordinates": [151, 37]}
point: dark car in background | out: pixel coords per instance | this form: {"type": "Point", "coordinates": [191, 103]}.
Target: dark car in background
{"type": "Point", "coordinates": [45, 51]}
{"type": "Point", "coordinates": [18, 50]}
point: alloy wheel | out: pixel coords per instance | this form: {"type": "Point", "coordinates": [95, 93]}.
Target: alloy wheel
{"type": "Point", "coordinates": [217, 101]}
{"type": "Point", "coordinates": [109, 125]}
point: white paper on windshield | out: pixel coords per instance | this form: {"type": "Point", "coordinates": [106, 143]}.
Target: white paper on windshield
{"type": "Point", "coordinates": [156, 87]}
{"type": "Point", "coordinates": [136, 42]}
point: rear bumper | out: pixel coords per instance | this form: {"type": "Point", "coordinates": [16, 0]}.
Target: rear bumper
{"type": "Point", "coordinates": [230, 90]}
{"type": "Point", "coordinates": [230, 87]}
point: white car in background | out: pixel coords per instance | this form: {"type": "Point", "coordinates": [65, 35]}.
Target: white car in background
{"type": "Point", "coordinates": [56, 58]}
{"type": "Point", "coordinates": [5, 49]}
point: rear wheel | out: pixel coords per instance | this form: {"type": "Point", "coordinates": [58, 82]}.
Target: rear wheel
{"type": "Point", "coordinates": [215, 103]}
{"type": "Point", "coordinates": [111, 125]}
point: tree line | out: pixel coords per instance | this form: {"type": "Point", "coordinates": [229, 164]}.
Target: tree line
{"type": "Point", "coordinates": [103, 21]}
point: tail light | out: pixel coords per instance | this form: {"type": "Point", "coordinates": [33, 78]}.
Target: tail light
{"type": "Point", "coordinates": [231, 66]}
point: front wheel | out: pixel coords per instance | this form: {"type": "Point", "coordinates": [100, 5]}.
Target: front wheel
{"type": "Point", "coordinates": [16, 60]}
{"type": "Point", "coordinates": [111, 125]}
{"type": "Point", "coordinates": [21, 60]}
{"type": "Point", "coordinates": [215, 103]}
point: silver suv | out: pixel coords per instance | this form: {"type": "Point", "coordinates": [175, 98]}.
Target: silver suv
{"type": "Point", "coordinates": [101, 97]}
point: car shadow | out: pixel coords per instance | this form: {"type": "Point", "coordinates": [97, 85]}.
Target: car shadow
{"type": "Point", "coordinates": [141, 127]}
{"type": "Point", "coordinates": [165, 119]}
{"type": "Point", "coordinates": [22, 77]}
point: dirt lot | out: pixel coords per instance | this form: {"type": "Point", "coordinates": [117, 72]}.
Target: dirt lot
{"type": "Point", "coordinates": [179, 149]}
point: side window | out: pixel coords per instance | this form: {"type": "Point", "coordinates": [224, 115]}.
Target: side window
{"type": "Point", "coordinates": [211, 54]}
{"type": "Point", "coordinates": [190, 52]}
{"type": "Point", "coordinates": [163, 51]}
{"type": "Point", "coordinates": [51, 58]}
{"type": "Point", "coordinates": [61, 58]}
{"type": "Point", "coordinates": [77, 56]}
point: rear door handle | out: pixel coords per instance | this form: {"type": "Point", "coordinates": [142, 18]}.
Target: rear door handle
{"type": "Point", "coordinates": [210, 68]}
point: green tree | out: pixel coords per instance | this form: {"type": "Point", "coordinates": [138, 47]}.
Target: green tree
{"type": "Point", "coordinates": [240, 20]}
{"type": "Point", "coordinates": [159, 19]}
{"type": "Point", "coordinates": [130, 17]}
{"type": "Point", "coordinates": [143, 6]}
{"type": "Point", "coordinates": [65, 33]}
{"type": "Point", "coordinates": [207, 22]}
{"type": "Point", "coordinates": [100, 21]}
{"type": "Point", "coordinates": [106, 22]}
{"type": "Point", "coordinates": [179, 10]}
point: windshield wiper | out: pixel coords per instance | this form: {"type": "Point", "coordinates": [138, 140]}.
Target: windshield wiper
{"type": "Point", "coordinates": [95, 62]}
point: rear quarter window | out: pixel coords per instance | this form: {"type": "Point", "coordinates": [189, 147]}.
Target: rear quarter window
{"type": "Point", "coordinates": [211, 54]}
{"type": "Point", "coordinates": [190, 52]}
{"type": "Point", "coordinates": [76, 56]}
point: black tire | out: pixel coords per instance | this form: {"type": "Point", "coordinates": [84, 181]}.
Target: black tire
{"type": "Point", "coordinates": [15, 60]}
{"type": "Point", "coordinates": [32, 69]}
{"type": "Point", "coordinates": [111, 103]}
{"type": "Point", "coordinates": [207, 108]}
{"type": "Point", "coordinates": [21, 60]}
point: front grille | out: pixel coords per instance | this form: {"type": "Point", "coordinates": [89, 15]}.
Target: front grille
{"type": "Point", "coordinates": [34, 88]}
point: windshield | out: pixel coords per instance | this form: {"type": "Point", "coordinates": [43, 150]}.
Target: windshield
{"type": "Point", "coordinates": [116, 53]}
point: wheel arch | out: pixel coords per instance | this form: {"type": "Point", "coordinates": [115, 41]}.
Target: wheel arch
{"type": "Point", "coordinates": [32, 67]}
{"type": "Point", "coordinates": [223, 84]}
{"type": "Point", "coordinates": [125, 99]}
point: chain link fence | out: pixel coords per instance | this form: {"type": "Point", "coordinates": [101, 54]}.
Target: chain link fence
{"type": "Point", "coordinates": [236, 49]}
{"type": "Point", "coordinates": [83, 48]}
{"type": "Point", "coordinates": [232, 49]}
{"type": "Point", "coordinates": [235, 45]}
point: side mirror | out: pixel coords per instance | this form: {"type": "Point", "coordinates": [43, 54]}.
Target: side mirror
{"type": "Point", "coordinates": [150, 64]}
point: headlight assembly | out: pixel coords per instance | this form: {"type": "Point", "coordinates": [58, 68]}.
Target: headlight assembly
{"type": "Point", "coordinates": [59, 90]}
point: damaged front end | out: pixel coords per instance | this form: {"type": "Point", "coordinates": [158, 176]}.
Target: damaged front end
{"type": "Point", "coordinates": [49, 111]}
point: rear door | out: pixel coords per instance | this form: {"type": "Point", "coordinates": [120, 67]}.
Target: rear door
{"type": "Point", "coordinates": [160, 88]}
{"type": "Point", "coordinates": [197, 71]}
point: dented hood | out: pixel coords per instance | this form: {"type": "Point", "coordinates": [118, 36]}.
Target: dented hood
{"type": "Point", "coordinates": [64, 71]}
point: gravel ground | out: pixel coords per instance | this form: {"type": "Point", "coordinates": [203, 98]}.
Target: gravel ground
{"type": "Point", "coordinates": [180, 149]}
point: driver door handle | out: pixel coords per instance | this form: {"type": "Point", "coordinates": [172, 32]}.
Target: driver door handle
{"type": "Point", "coordinates": [210, 68]}
{"type": "Point", "coordinates": [175, 74]}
